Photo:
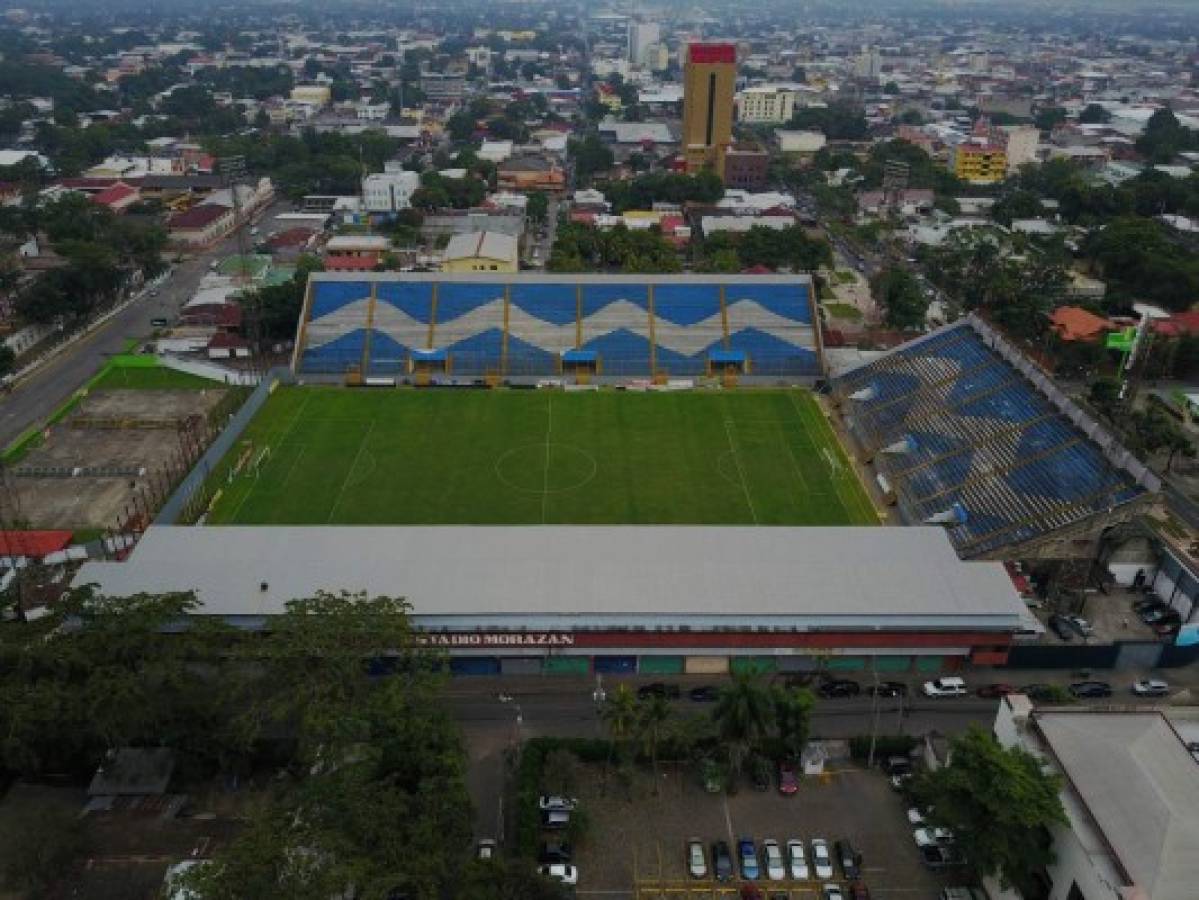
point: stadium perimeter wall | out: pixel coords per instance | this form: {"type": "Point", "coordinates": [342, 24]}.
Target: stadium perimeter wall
{"type": "Point", "coordinates": [177, 502]}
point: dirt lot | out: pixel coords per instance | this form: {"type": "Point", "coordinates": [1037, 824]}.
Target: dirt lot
{"type": "Point", "coordinates": [646, 835]}
{"type": "Point", "coordinates": [107, 435]}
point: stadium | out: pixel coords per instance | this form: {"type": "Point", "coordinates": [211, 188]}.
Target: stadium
{"type": "Point", "coordinates": [439, 438]}
{"type": "Point", "coordinates": [386, 325]}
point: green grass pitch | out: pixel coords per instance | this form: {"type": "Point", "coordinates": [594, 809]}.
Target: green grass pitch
{"type": "Point", "coordinates": [340, 456]}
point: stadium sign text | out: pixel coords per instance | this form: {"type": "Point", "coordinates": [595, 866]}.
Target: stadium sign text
{"type": "Point", "coordinates": [499, 639]}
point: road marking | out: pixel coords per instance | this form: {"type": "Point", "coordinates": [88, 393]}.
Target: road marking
{"type": "Point", "coordinates": [740, 472]}
{"type": "Point", "coordinates": [350, 471]}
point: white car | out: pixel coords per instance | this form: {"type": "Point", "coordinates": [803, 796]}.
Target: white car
{"type": "Point", "coordinates": [485, 849]}
{"type": "Point", "coordinates": [557, 803]}
{"type": "Point", "coordinates": [697, 861]}
{"type": "Point", "coordinates": [822, 861]}
{"type": "Point", "coordinates": [949, 686]}
{"type": "Point", "coordinates": [1151, 687]}
{"type": "Point", "coordinates": [833, 892]}
{"type": "Point", "coordinates": [795, 856]}
{"type": "Point", "coordinates": [915, 816]}
{"type": "Point", "coordinates": [564, 872]}
{"type": "Point", "coordinates": [929, 837]}
{"type": "Point", "coordinates": [772, 856]}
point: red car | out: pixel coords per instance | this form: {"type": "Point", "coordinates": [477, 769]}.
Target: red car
{"type": "Point", "coordinates": [995, 691]}
{"type": "Point", "coordinates": [788, 780]}
{"type": "Point", "coordinates": [858, 891]}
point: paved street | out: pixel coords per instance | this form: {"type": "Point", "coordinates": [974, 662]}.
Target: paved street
{"type": "Point", "coordinates": [36, 397]}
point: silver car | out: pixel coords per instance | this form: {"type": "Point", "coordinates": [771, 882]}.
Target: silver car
{"type": "Point", "coordinates": [697, 860]}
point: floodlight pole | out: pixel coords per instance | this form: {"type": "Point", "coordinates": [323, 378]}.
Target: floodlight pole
{"type": "Point", "coordinates": [873, 714]}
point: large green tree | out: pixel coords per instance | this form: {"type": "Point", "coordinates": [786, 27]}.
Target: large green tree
{"type": "Point", "coordinates": [744, 715]}
{"type": "Point", "coordinates": [904, 304]}
{"type": "Point", "coordinates": [1000, 803]}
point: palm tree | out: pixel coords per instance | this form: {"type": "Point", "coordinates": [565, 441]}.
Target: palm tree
{"type": "Point", "coordinates": [619, 715]}
{"type": "Point", "coordinates": [743, 714]}
{"type": "Point", "coordinates": [792, 710]}
{"type": "Point", "coordinates": [655, 713]}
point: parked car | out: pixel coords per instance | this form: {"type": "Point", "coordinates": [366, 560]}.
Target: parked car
{"type": "Point", "coordinates": [556, 801]}
{"type": "Point", "coordinates": [759, 773]}
{"type": "Point", "coordinates": [1151, 687]}
{"type": "Point", "coordinates": [995, 690]}
{"type": "Point", "coordinates": [722, 861]}
{"type": "Point", "coordinates": [941, 856]}
{"type": "Point", "coordinates": [772, 859]}
{"type": "Point", "coordinates": [1080, 626]}
{"type": "Point", "coordinates": [485, 849]}
{"type": "Point", "coordinates": [925, 837]}
{"type": "Point", "coordinates": [564, 872]}
{"type": "Point", "coordinates": [833, 892]}
{"type": "Point", "coordinates": [888, 689]}
{"type": "Point", "coordinates": [897, 765]}
{"type": "Point", "coordinates": [849, 858]}
{"type": "Point", "coordinates": [554, 852]}
{"type": "Point", "coordinates": [946, 686]}
{"type": "Point", "coordinates": [747, 858]}
{"type": "Point", "coordinates": [858, 891]}
{"type": "Point", "coordinates": [835, 688]}
{"type": "Point", "coordinates": [788, 779]}
{"type": "Point", "coordinates": [555, 819]}
{"type": "Point", "coordinates": [658, 689]}
{"type": "Point", "coordinates": [796, 862]}
{"type": "Point", "coordinates": [1152, 614]}
{"type": "Point", "coordinates": [158, 322]}
{"type": "Point", "coordinates": [1059, 626]}
{"type": "Point", "coordinates": [1039, 692]}
{"type": "Point", "coordinates": [697, 860]}
{"type": "Point", "coordinates": [899, 783]}
{"type": "Point", "coordinates": [704, 694]}
{"type": "Point", "coordinates": [750, 892]}
{"type": "Point", "coordinates": [1090, 689]}
{"type": "Point", "coordinates": [915, 816]}
{"type": "Point", "coordinates": [822, 862]}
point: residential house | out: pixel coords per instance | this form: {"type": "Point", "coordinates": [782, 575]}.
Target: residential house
{"type": "Point", "coordinates": [483, 251]}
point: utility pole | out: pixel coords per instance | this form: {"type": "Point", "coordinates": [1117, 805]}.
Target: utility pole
{"type": "Point", "coordinates": [873, 714]}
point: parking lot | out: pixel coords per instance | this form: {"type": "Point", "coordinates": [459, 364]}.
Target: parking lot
{"type": "Point", "coordinates": [637, 841]}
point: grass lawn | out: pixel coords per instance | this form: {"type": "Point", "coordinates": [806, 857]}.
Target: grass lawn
{"type": "Point", "coordinates": [147, 379]}
{"type": "Point", "coordinates": [532, 457]}
{"type": "Point", "coordinates": [846, 311]}
{"type": "Point", "coordinates": [844, 276]}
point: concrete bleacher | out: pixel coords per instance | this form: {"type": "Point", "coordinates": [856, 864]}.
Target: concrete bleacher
{"type": "Point", "coordinates": [523, 325]}
{"type": "Point", "coordinates": [954, 423]}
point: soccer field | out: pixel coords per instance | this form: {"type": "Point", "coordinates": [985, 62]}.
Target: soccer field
{"type": "Point", "coordinates": [332, 455]}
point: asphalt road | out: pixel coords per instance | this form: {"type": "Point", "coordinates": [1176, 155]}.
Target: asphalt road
{"type": "Point", "coordinates": [37, 396]}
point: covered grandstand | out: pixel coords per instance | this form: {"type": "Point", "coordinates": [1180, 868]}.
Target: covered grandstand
{"type": "Point", "coordinates": [968, 433]}
{"type": "Point", "coordinates": [390, 324]}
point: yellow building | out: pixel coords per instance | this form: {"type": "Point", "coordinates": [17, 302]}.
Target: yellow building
{"type": "Point", "coordinates": [318, 94]}
{"type": "Point", "coordinates": [481, 251]}
{"type": "Point", "coordinates": [981, 163]}
{"type": "Point", "coordinates": [709, 77]}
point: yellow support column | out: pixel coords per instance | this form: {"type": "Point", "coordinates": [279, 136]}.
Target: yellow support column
{"type": "Point", "coordinates": [653, 354]}
{"type": "Point", "coordinates": [724, 318]}
{"type": "Point", "coordinates": [370, 326]}
{"type": "Point", "coordinates": [504, 337]}
{"type": "Point", "coordinates": [579, 316]}
{"type": "Point", "coordinates": [432, 316]}
{"type": "Point", "coordinates": [302, 336]}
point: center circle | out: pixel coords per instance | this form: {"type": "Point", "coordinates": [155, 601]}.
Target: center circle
{"type": "Point", "coordinates": [545, 468]}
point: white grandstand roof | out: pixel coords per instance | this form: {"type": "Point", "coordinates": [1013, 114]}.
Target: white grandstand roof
{"type": "Point", "coordinates": [560, 277]}
{"type": "Point", "coordinates": [654, 576]}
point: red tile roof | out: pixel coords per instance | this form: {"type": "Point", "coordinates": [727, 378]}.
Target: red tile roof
{"type": "Point", "coordinates": [198, 216]}
{"type": "Point", "coordinates": [345, 263]}
{"type": "Point", "coordinates": [1073, 323]}
{"type": "Point", "coordinates": [111, 196]}
{"type": "Point", "coordinates": [1177, 325]}
{"type": "Point", "coordinates": [33, 543]}
{"type": "Point", "coordinates": [292, 237]}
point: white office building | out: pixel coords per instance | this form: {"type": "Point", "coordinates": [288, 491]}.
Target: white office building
{"type": "Point", "coordinates": [389, 191]}
{"type": "Point", "coordinates": [765, 105]}
{"type": "Point", "coordinates": [642, 35]}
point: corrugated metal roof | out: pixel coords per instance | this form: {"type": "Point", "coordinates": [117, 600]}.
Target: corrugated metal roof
{"type": "Point", "coordinates": [854, 577]}
{"type": "Point", "coordinates": [1141, 785]}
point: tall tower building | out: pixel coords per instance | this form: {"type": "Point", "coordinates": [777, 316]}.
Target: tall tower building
{"type": "Point", "coordinates": [709, 77]}
{"type": "Point", "coordinates": [642, 35]}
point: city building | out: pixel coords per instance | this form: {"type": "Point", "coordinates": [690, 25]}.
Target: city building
{"type": "Point", "coordinates": [868, 64]}
{"type": "Point", "coordinates": [579, 599]}
{"type": "Point", "coordinates": [1130, 790]}
{"type": "Point", "coordinates": [801, 142]}
{"type": "Point", "coordinates": [390, 190]}
{"type": "Point", "coordinates": [709, 76]}
{"type": "Point", "coordinates": [746, 166]}
{"type": "Point", "coordinates": [200, 226]}
{"type": "Point", "coordinates": [312, 94]}
{"type": "Point", "coordinates": [442, 86]}
{"type": "Point", "coordinates": [980, 162]}
{"type": "Point", "coordinates": [765, 105]}
{"type": "Point", "coordinates": [642, 36]}
{"type": "Point", "coordinates": [530, 173]}
{"type": "Point", "coordinates": [481, 251]}
{"type": "Point", "coordinates": [1021, 143]}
